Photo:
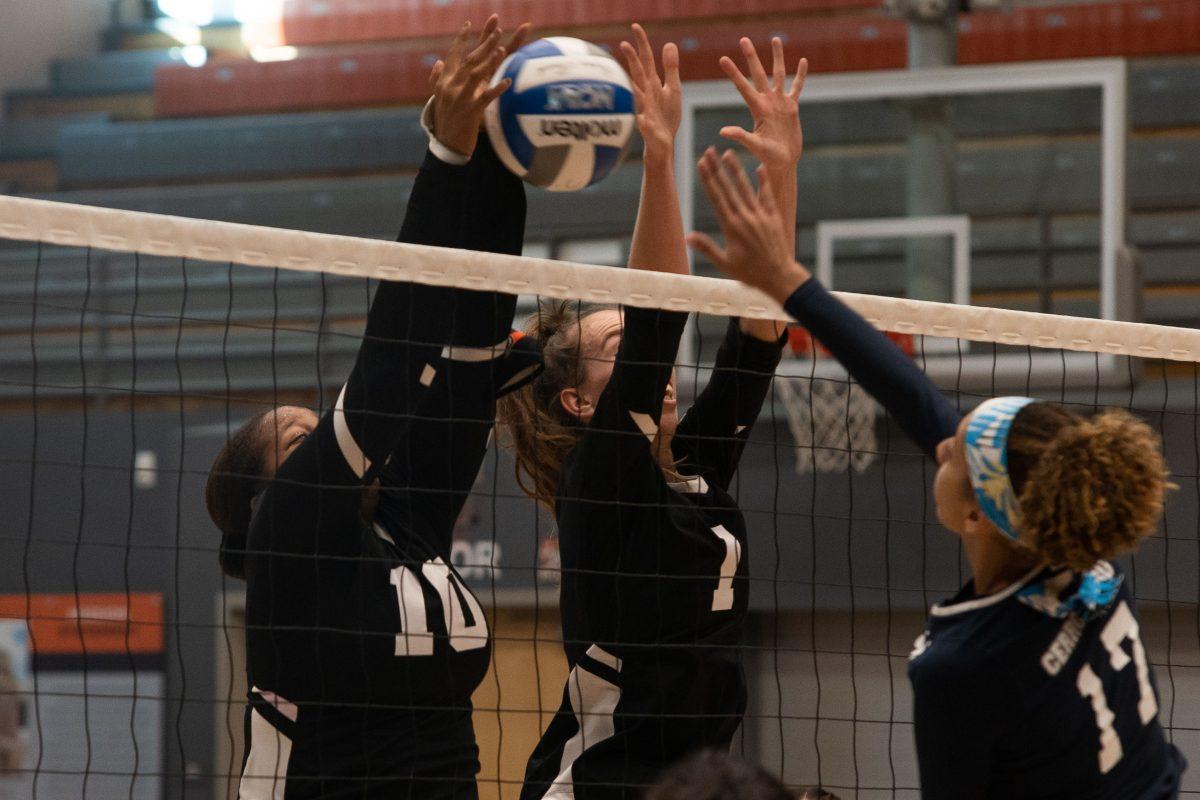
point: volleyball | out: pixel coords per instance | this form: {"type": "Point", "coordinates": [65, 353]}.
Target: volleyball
{"type": "Point", "coordinates": [566, 121]}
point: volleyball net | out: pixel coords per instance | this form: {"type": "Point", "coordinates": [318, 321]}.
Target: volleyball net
{"type": "Point", "coordinates": [133, 345]}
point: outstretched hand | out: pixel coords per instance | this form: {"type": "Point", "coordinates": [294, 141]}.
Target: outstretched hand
{"type": "Point", "coordinates": [756, 249]}
{"type": "Point", "coordinates": [460, 83]}
{"type": "Point", "coordinates": [657, 101]}
{"type": "Point", "coordinates": [777, 139]}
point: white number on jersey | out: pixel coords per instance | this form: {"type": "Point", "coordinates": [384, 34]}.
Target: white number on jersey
{"type": "Point", "coordinates": [723, 594]}
{"type": "Point", "coordinates": [1121, 626]}
{"type": "Point", "coordinates": [415, 638]}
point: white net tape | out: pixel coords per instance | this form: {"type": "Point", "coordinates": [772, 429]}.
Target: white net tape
{"type": "Point", "coordinates": [222, 242]}
{"type": "Point", "coordinates": [832, 421]}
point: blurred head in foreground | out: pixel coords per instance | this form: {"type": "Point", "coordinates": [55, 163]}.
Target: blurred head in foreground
{"type": "Point", "coordinates": [711, 775]}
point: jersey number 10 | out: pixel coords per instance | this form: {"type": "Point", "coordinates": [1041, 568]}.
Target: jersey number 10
{"type": "Point", "coordinates": [1121, 626]}
{"type": "Point", "coordinates": [415, 638]}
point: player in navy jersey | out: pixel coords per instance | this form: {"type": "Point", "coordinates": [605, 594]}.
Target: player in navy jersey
{"type": "Point", "coordinates": [1032, 681]}
{"type": "Point", "coordinates": [653, 547]}
{"type": "Point", "coordinates": [363, 643]}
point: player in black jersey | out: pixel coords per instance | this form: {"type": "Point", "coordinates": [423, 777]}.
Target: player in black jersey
{"type": "Point", "coordinates": [653, 547]}
{"type": "Point", "coordinates": [364, 645]}
{"type": "Point", "coordinates": [1032, 681]}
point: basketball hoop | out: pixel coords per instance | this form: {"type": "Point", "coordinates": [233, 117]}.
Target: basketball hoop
{"type": "Point", "coordinates": [832, 419]}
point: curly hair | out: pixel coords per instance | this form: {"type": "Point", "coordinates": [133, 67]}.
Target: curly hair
{"type": "Point", "coordinates": [1088, 488]}
{"type": "Point", "coordinates": [536, 427]}
{"type": "Point", "coordinates": [235, 478]}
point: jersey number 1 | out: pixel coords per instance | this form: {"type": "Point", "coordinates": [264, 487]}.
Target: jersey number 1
{"type": "Point", "coordinates": [415, 638]}
{"type": "Point", "coordinates": [723, 594]}
{"type": "Point", "coordinates": [1120, 627]}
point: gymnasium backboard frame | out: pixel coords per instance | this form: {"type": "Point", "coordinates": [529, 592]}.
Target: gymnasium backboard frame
{"type": "Point", "coordinates": [1108, 75]}
{"type": "Point", "coordinates": [957, 227]}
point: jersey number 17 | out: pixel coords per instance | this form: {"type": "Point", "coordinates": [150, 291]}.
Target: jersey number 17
{"type": "Point", "coordinates": [1121, 626]}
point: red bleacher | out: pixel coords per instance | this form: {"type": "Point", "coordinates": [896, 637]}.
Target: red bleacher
{"type": "Point", "coordinates": [1129, 28]}
{"type": "Point", "coordinates": [401, 75]}
{"type": "Point", "coordinates": [314, 22]}
{"type": "Point", "coordinates": [312, 82]}
{"type": "Point", "coordinates": [832, 43]}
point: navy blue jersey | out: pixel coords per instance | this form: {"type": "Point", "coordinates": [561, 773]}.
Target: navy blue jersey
{"type": "Point", "coordinates": [1013, 701]}
{"type": "Point", "coordinates": [1010, 700]}
{"type": "Point", "coordinates": [363, 643]}
{"type": "Point", "coordinates": [654, 571]}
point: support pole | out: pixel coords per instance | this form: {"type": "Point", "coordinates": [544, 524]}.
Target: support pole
{"type": "Point", "coordinates": [932, 42]}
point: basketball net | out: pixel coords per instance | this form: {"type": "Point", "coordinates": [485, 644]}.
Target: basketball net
{"type": "Point", "coordinates": [832, 419]}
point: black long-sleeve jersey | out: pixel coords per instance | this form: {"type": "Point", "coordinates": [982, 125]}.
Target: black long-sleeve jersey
{"type": "Point", "coordinates": [364, 645]}
{"type": "Point", "coordinates": [1014, 693]}
{"type": "Point", "coordinates": [654, 586]}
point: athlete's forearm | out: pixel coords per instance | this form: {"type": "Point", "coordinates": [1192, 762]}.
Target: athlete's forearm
{"type": "Point", "coordinates": [651, 337]}
{"type": "Point", "coordinates": [783, 191]}
{"type": "Point", "coordinates": [715, 430]}
{"type": "Point", "coordinates": [493, 221]}
{"type": "Point", "coordinates": [658, 233]}
{"type": "Point", "coordinates": [877, 364]}
{"type": "Point", "coordinates": [408, 324]}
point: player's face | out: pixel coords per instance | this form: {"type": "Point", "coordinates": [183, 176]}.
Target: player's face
{"type": "Point", "coordinates": [952, 485]}
{"type": "Point", "coordinates": [285, 430]}
{"type": "Point", "coordinates": [599, 339]}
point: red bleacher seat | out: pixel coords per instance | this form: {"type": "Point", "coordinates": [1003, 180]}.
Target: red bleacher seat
{"type": "Point", "coordinates": [1127, 28]}
{"type": "Point", "coordinates": [311, 22]}
{"type": "Point", "coordinates": [311, 82]}
{"type": "Point", "coordinates": [832, 43]}
{"type": "Point", "coordinates": [390, 77]}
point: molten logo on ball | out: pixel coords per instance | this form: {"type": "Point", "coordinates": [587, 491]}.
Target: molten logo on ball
{"type": "Point", "coordinates": [567, 119]}
{"type": "Point", "coordinates": [583, 131]}
{"type": "Point", "coordinates": [580, 97]}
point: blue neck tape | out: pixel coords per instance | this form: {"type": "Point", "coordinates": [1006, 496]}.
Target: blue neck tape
{"type": "Point", "coordinates": [987, 461]}
{"type": "Point", "coordinates": [1087, 595]}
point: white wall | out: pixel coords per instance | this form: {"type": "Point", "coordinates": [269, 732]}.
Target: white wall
{"type": "Point", "coordinates": [33, 32]}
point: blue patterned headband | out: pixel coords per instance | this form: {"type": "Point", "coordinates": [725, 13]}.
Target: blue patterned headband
{"type": "Point", "coordinates": [987, 460]}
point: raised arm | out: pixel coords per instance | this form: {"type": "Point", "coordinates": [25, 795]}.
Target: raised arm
{"type": "Point", "coordinates": [658, 233]}
{"type": "Point", "coordinates": [756, 253]}
{"type": "Point", "coordinates": [433, 469]}
{"type": "Point", "coordinates": [473, 202]}
{"type": "Point", "coordinates": [713, 434]}
{"type": "Point", "coordinates": [623, 430]}
{"type": "Point", "coordinates": [777, 139]}
{"type": "Point", "coordinates": [316, 492]}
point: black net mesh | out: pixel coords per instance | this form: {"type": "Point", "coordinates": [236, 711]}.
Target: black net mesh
{"type": "Point", "coordinates": [123, 644]}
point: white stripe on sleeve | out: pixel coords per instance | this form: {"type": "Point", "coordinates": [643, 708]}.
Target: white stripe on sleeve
{"type": "Point", "coordinates": [353, 454]}
{"type": "Point", "coordinates": [459, 353]}
{"type": "Point", "coordinates": [594, 700]}
{"type": "Point", "coordinates": [265, 775]}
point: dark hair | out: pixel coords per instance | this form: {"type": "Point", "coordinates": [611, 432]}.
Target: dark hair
{"type": "Point", "coordinates": [713, 775]}
{"type": "Point", "coordinates": [1088, 488]}
{"type": "Point", "coordinates": [235, 478]}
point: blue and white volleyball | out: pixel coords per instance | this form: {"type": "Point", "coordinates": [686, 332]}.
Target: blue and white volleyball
{"type": "Point", "coordinates": [567, 119]}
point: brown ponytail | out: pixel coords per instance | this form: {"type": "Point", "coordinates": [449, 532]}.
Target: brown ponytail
{"type": "Point", "coordinates": [1088, 488]}
{"type": "Point", "coordinates": [536, 427]}
{"type": "Point", "coordinates": [235, 478]}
